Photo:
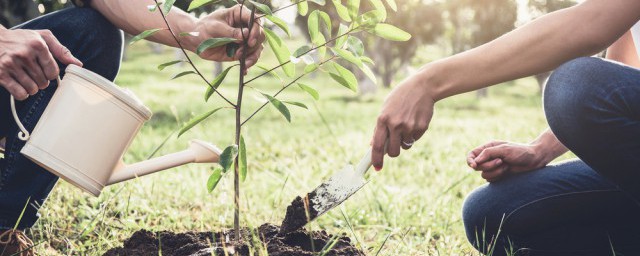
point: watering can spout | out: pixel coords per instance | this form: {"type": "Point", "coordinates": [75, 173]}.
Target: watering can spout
{"type": "Point", "coordinates": [198, 152]}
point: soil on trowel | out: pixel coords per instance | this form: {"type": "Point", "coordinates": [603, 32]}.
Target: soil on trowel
{"type": "Point", "coordinates": [266, 237]}
{"type": "Point", "coordinates": [299, 213]}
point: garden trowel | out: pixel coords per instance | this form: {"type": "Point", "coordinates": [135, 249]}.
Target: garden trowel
{"type": "Point", "coordinates": [329, 194]}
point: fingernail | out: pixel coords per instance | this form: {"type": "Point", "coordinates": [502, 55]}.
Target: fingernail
{"type": "Point", "coordinates": [378, 168]}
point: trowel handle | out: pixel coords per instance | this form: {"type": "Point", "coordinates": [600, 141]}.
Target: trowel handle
{"type": "Point", "coordinates": [365, 163]}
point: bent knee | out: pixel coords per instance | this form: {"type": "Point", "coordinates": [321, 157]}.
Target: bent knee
{"type": "Point", "coordinates": [570, 93]}
{"type": "Point", "coordinates": [89, 20]}
{"type": "Point", "coordinates": [480, 217]}
{"type": "Point", "coordinates": [568, 82]}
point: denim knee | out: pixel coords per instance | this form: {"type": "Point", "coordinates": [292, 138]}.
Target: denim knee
{"type": "Point", "coordinates": [570, 93]}
{"type": "Point", "coordinates": [481, 223]}
{"type": "Point", "coordinates": [101, 43]}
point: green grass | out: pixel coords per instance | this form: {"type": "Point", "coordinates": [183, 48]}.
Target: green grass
{"type": "Point", "coordinates": [412, 207]}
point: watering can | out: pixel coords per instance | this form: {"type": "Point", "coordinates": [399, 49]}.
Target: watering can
{"type": "Point", "coordinates": [86, 129]}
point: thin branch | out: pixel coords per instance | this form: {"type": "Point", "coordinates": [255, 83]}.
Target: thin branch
{"type": "Point", "coordinates": [282, 89]}
{"type": "Point", "coordinates": [312, 49]}
{"type": "Point", "coordinates": [187, 55]}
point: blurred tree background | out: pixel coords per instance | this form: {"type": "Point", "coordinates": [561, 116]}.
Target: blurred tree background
{"type": "Point", "coordinates": [450, 25]}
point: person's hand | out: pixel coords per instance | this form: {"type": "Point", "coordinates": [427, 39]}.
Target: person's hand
{"type": "Point", "coordinates": [227, 23]}
{"type": "Point", "coordinates": [498, 159]}
{"type": "Point", "coordinates": [27, 61]}
{"type": "Point", "coordinates": [404, 118]}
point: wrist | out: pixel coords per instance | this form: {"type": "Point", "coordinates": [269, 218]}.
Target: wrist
{"type": "Point", "coordinates": [542, 154]}
{"type": "Point", "coordinates": [433, 79]}
{"type": "Point", "coordinates": [187, 24]}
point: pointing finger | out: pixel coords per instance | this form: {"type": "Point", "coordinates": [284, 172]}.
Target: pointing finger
{"type": "Point", "coordinates": [379, 139]}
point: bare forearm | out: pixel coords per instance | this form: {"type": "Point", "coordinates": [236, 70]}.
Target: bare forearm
{"type": "Point", "coordinates": [624, 51]}
{"type": "Point", "coordinates": [539, 46]}
{"type": "Point", "coordinates": [133, 17]}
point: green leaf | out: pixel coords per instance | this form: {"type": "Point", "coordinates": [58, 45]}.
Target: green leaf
{"type": "Point", "coordinates": [390, 32]}
{"type": "Point", "coordinates": [310, 91]}
{"type": "Point", "coordinates": [231, 49]}
{"type": "Point", "coordinates": [213, 42]}
{"type": "Point", "coordinates": [281, 107]}
{"type": "Point", "coordinates": [227, 157]}
{"type": "Point", "coordinates": [301, 51]}
{"type": "Point", "coordinates": [348, 56]}
{"type": "Point", "coordinates": [303, 8]}
{"type": "Point", "coordinates": [320, 2]}
{"type": "Point", "coordinates": [281, 51]}
{"type": "Point", "coordinates": [355, 46]}
{"type": "Point", "coordinates": [196, 120]}
{"type": "Point", "coordinates": [280, 23]}
{"type": "Point", "coordinates": [370, 19]}
{"type": "Point", "coordinates": [166, 64]}
{"type": "Point", "coordinates": [144, 34]}
{"type": "Point", "coordinates": [298, 104]}
{"type": "Point", "coordinates": [366, 59]}
{"type": "Point", "coordinates": [199, 3]}
{"type": "Point", "coordinates": [313, 25]}
{"type": "Point", "coordinates": [167, 5]}
{"type": "Point", "coordinates": [214, 179]}
{"type": "Point", "coordinates": [262, 66]}
{"type": "Point", "coordinates": [393, 5]}
{"type": "Point", "coordinates": [311, 67]}
{"type": "Point", "coordinates": [152, 8]}
{"type": "Point", "coordinates": [322, 51]}
{"type": "Point", "coordinates": [265, 9]}
{"type": "Point", "coordinates": [192, 33]}
{"type": "Point", "coordinates": [342, 11]}
{"type": "Point", "coordinates": [369, 73]}
{"type": "Point", "coordinates": [242, 160]}
{"type": "Point", "coordinates": [342, 30]}
{"type": "Point", "coordinates": [216, 83]}
{"type": "Point", "coordinates": [327, 21]}
{"type": "Point", "coordinates": [345, 77]}
{"type": "Point", "coordinates": [181, 74]}
{"type": "Point", "coordinates": [379, 6]}
{"type": "Point", "coordinates": [354, 8]}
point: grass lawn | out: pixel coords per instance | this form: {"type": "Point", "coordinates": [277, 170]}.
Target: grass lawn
{"type": "Point", "coordinates": [413, 204]}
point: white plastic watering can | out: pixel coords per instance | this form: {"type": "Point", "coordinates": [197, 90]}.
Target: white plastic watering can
{"type": "Point", "coordinates": [86, 129]}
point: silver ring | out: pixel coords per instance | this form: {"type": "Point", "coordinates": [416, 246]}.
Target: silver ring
{"type": "Point", "coordinates": [408, 144]}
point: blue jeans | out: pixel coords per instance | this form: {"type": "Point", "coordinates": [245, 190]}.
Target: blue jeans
{"type": "Point", "coordinates": [95, 42]}
{"type": "Point", "coordinates": [587, 206]}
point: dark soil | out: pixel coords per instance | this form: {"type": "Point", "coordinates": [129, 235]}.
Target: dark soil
{"type": "Point", "coordinates": [267, 236]}
{"type": "Point", "coordinates": [299, 213]}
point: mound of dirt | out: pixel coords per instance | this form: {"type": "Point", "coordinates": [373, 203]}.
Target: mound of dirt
{"type": "Point", "coordinates": [266, 237]}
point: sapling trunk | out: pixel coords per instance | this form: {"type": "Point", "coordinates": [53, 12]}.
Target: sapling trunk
{"type": "Point", "coordinates": [236, 166]}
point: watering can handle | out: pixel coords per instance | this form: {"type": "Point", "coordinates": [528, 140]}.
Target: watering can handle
{"type": "Point", "coordinates": [23, 134]}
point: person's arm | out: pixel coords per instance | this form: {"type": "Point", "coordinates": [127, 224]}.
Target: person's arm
{"type": "Point", "coordinates": [542, 45]}
{"type": "Point", "coordinates": [497, 159]}
{"type": "Point", "coordinates": [133, 17]}
{"type": "Point", "coordinates": [624, 50]}
{"type": "Point", "coordinates": [539, 46]}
